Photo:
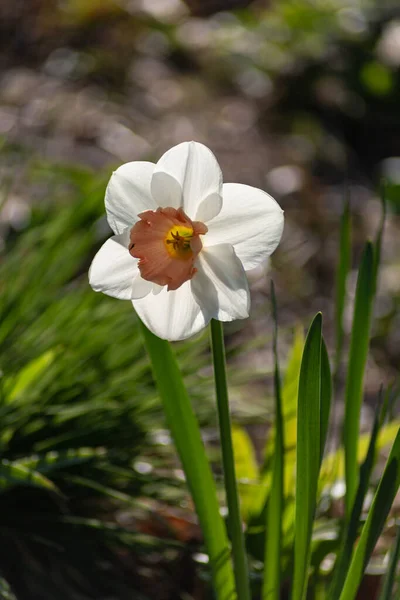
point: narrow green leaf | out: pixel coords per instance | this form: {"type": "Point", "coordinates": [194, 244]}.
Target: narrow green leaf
{"type": "Point", "coordinates": [355, 373]}
{"type": "Point", "coordinates": [28, 375]}
{"type": "Point", "coordinates": [272, 558]}
{"type": "Point", "coordinates": [234, 517]}
{"type": "Point", "coordinates": [101, 489]}
{"type": "Point", "coordinates": [326, 395]}
{"type": "Point", "coordinates": [390, 577]}
{"type": "Point", "coordinates": [186, 434]}
{"type": "Point", "coordinates": [12, 474]}
{"type": "Point", "coordinates": [351, 529]}
{"type": "Point", "coordinates": [55, 460]}
{"type": "Point", "coordinates": [341, 278]}
{"type": "Point", "coordinates": [381, 504]}
{"type": "Point", "coordinates": [308, 457]}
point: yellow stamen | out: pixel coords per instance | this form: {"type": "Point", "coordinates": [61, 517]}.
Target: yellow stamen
{"type": "Point", "coordinates": [177, 242]}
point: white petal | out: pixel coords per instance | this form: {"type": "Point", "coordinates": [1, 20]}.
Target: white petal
{"type": "Point", "coordinates": [113, 268]}
{"type": "Point", "coordinates": [196, 170]}
{"type": "Point", "coordinates": [171, 315]}
{"type": "Point", "coordinates": [157, 288]}
{"type": "Point", "coordinates": [128, 194]}
{"type": "Point", "coordinates": [165, 190]}
{"type": "Point", "coordinates": [140, 287]}
{"type": "Point", "coordinates": [209, 208]}
{"type": "Point", "coordinates": [220, 284]}
{"type": "Point", "coordinates": [250, 220]}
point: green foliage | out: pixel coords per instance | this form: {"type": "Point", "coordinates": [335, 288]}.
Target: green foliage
{"type": "Point", "coordinates": [76, 404]}
{"type": "Point", "coordinates": [389, 583]}
{"type": "Point", "coordinates": [308, 457]}
{"type": "Point", "coordinates": [355, 373]}
{"type": "Point", "coordinates": [78, 410]}
{"type": "Point", "coordinates": [341, 278]}
{"type": "Point", "coordinates": [304, 525]}
{"type": "Point", "coordinates": [351, 529]}
{"type": "Point", "coordinates": [377, 515]}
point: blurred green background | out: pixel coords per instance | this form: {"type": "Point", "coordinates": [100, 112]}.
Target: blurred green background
{"type": "Point", "coordinates": [297, 97]}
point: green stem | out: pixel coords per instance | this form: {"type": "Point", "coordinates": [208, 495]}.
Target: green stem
{"type": "Point", "coordinates": [187, 437]}
{"type": "Point", "coordinates": [235, 521]}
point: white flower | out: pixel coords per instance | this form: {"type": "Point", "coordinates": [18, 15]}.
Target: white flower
{"type": "Point", "coordinates": [183, 241]}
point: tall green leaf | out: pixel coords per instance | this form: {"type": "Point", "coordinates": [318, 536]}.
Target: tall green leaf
{"type": "Point", "coordinates": [341, 278]}
{"type": "Point", "coordinates": [186, 434]}
{"type": "Point", "coordinates": [326, 395]}
{"type": "Point", "coordinates": [356, 367]}
{"type": "Point", "coordinates": [351, 528]}
{"type": "Point", "coordinates": [272, 558]}
{"type": "Point", "coordinates": [381, 504]}
{"type": "Point", "coordinates": [308, 458]}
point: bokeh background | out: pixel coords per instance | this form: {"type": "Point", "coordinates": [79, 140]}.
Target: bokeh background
{"type": "Point", "coordinates": [300, 98]}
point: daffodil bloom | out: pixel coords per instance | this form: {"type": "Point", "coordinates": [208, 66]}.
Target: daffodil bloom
{"type": "Point", "coordinates": [183, 241]}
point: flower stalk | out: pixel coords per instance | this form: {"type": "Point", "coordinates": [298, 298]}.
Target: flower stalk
{"type": "Point", "coordinates": [234, 519]}
{"type": "Point", "coordinates": [186, 434]}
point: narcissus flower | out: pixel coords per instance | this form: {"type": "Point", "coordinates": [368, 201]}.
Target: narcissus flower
{"type": "Point", "coordinates": [183, 241]}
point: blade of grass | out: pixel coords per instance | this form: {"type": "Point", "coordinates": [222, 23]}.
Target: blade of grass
{"type": "Point", "coordinates": [381, 504]}
{"type": "Point", "coordinates": [341, 278]}
{"type": "Point", "coordinates": [272, 558]}
{"type": "Point", "coordinates": [232, 496]}
{"type": "Point", "coordinates": [390, 577]}
{"type": "Point", "coordinates": [12, 474]}
{"type": "Point", "coordinates": [326, 395]}
{"type": "Point", "coordinates": [308, 457]}
{"type": "Point", "coordinates": [351, 528]}
{"type": "Point", "coordinates": [355, 373]}
{"type": "Point", "coordinates": [186, 434]}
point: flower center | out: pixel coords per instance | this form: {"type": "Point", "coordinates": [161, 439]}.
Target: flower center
{"type": "Point", "coordinates": [167, 243]}
{"type": "Point", "coordinates": [178, 242]}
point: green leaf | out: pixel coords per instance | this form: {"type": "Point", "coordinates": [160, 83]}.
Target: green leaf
{"type": "Point", "coordinates": [326, 395]}
{"type": "Point", "coordinates": [381, 504]}
{"type": "Point", "coordinates": [390, 577]}
{"type": "Point", "coordinates": [30, 374]}
{"type": "Point", "coordinates": [56, 460]}
{"type": "Point", "coordinates": [13, 473]}
{"type": "Point", "coordinates": [290, 391]}
{"type": "Point", "coordinates": [341, 278]}
{"type": "Point", "coordinates": [308, 457]}
{"type": "Point", "coordinates": [186, 434]}
{"type": "Point", "coordinates": [351, 529]}
{"type": "Point", "coordinates": [272, 558]}
{"type": "Point", "coordinates": [355, 373]}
